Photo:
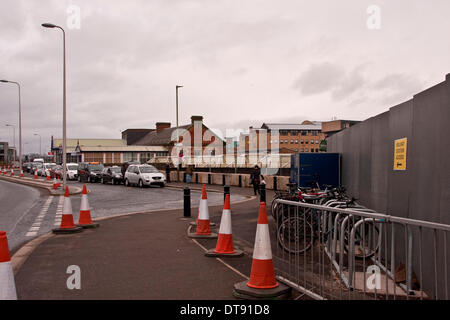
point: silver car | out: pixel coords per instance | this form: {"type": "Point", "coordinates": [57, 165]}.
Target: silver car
{"type": "Point", "coordinates": [144, 175]}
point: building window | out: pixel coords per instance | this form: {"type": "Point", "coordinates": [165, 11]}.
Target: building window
{"type": "Point", "coordinates": [283, 133]}
{"type": "Point", "coordinates": [108, 157]}
{"type": "Point", "coordinates": [301, 141]}
{"type": "Point", "coordinates": [304, 132]}
{"type": "Point", "coordinates": [296, 141]}
{"type": "Point", "coordinates": [306, 141]}
{"type": "Point", "coordinates": [301, 150]}
{"type": "Point", "coordinates": [129, 156]}
{"type": "Point", "coordinates": [93, 157]}
{"type": "Point", "coordinates": [145, 156]}
{"type": "Point", "coordinates": [317, 141]}
{"type": "Point", "coordinates": [292, 141]}
{"type": "Point", "coordinates": [312, 141]}
{"type": "Point", "coordinates": [317, 150]}
{"type": "Point", "coordinates": [306, 149]}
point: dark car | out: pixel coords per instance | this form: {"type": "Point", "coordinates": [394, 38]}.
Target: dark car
{"type": "Point", "coordinates": [90, 171]}
{"type": "Point", "coordinates": [112, 175]}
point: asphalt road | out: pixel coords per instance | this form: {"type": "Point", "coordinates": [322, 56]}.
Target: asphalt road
{"type": "Point", "coordinates": [27, 212]}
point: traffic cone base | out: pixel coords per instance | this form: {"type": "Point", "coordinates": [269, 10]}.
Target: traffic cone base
{"type": "Point", "coordinates": [214, 254]}
{"type": "Point", "coordinates": [242, 291]}
{"type": "Point", "coordinates": [194, 223]}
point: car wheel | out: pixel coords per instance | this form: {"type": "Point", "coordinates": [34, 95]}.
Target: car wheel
{"type": "Point", "coordinates": [113, 181]}
{"type": "Point", "coordinates": [102, 181]}
{"type": "Point", "coordinates": [79, 178]}
{"type": "Point", "coordinates": [89, 179]}
{"type": "Point", "coordinates": [141, 185]}
{"type": "Point", "coordinates": [127, 183]}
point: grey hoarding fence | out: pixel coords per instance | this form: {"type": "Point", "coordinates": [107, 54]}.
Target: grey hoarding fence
{"type": "Point", "coordinates": [335, 252]}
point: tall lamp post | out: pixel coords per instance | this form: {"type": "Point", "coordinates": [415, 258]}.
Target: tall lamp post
{"type": "Point", "coordinates": [49, 25]}
{"type": "Point", "coordinates": [178, 138]}
{"type": "Point", "coordinates": [40, 143]}
{"type": "Point", "coordinates": [20, 123]}
{"type": "Point", "coordinates": [14, 139]}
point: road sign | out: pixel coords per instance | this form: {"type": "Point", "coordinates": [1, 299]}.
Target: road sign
{"type": "Point", "coordinates": [400, 154]}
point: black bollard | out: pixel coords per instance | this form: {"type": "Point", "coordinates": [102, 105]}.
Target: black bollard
{"type": "Point", "coordinates": [196, 178]}
{"type": "Point", "coordinates": [240, 181]}
{"type": "Point", "coordinates": [275, 187]}
{"type": "Point", "coordinates": [262, 192]}
{"type": "Point", "coordinates": [223, 179]}
{"type": "Point", "coordinates": [187, 202]}
{"type": "Point", "coordinates": [226, 190]}
{"type": "Point", "coordinates": [209, 178]}
{"type": "Point", "coordinates": [184, 177]}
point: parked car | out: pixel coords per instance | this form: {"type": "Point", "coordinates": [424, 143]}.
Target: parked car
{"type": "Point", "coordinates": [90, 171]}
{"type": "Point", "coordinates": [72, 171]}
{"type": "Point", "coordinates": [56, 172]}
{"type": "Point", "coordinates": [37, 166]}
{"type": "Point", "coordinates": [112, 175]}
{"type": "Point", "coordinates": [144, 175]}
{"type": "Point", "coordinates": [44, 171]}
{"type": "Point", "coordinates": [26, 167]}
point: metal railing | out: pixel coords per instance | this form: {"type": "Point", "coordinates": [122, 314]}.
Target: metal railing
{"type": "Point", "coordinates": [333, 252]}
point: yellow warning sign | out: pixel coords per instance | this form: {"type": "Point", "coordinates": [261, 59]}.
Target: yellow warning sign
{"type": "Point", "coordinates": [400, 154]}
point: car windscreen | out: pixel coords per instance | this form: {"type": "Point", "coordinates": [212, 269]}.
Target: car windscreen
{"type": "Point", "coordinates": [49, 166]}
{"type": "Point", "coordinates": [96, 167]}
{"type": "Point", "coordinates": [72, 167]}
{"type": "Point", "coordinates": [116, 170]}
{"type": "Point", "coordinates": [148, 169]}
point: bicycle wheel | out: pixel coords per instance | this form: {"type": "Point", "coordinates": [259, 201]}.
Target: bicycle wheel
{"type": "Point", "coordinates": [295, 235]}
{"type": "Point", "coordinates": [367, 238]}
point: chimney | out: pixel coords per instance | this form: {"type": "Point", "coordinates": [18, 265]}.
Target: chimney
{"type": "Point", "coordinates": [162, 125]}
{"type": "Point", "coordinates": [196, 118]}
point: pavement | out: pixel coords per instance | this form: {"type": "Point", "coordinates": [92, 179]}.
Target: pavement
{"type": "Point", "coordinates": [140, 256]}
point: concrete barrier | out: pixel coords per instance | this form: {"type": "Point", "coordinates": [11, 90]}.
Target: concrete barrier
{"type": "Point", "coordinates": [232, 179]}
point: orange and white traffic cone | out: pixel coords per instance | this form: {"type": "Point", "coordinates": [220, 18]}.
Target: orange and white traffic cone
{"type": "Point", "coordinates": [21, 173]}
{"type": "Point", "coordinates": [47, 178]}
{"type": "Point", "coordinates": [224, 246]}
{"type": "Point", "coordinates": [67, 225]}
{"type": "Point", "coordinates": [55, 184]}
{"type": "Point", "coordinates": [262, 283]}
{"type": "Point", "coordinates": [7, 284]}
{"type": "Point", "coordinates": [194, 223]}
{"type": "Point", "coordinates": [203, 229]}
{"type": "Point", "coordinates": [58, 184]}
{"type": "Point", "coordinates": [12, 172]}
{"type": "Point", "coordinates": [85, 220]}
{"type": "Point", "coordinates": [35, 175]}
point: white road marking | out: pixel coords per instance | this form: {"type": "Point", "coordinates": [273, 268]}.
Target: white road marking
{"type": "Point", "coordinates": [37, 222]}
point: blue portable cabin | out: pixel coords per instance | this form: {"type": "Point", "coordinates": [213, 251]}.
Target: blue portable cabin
{"type": "Point", "coordinates": [310, 169]}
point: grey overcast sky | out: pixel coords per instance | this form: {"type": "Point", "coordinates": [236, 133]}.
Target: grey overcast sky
{"type": "Point", "coordinates": [241, 63]}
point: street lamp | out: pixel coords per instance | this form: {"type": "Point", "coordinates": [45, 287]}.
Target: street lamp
{"type": "Point", "coordinates": [40, 143]}
{"type": "Point", "coordinates": [49, 25]}
{"type": "Point", "coordinates": [20, 123]}
{"type": "Point", "coordinates": [14, 139]}
{"type": "Point", "coordinates": [178, 138]}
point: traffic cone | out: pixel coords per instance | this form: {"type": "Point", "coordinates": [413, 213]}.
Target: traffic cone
{"type": "Point", "coordinates": [47, 178]}
{"type": "Point", "coordinates": [224, 246]}
{"type": "Point", "coordinates": [194, 223]}
{"type": "Point", "coordinates": [12, 172]}
{"type": "Point", "coordinates": [21, 173]}
{"type": "Point", "coordinates": [58, 183]}
{"type": "Point", "coordinates": [35, 174]}
{"type": "Point", "coordinates": [67, 225]}
{"type": "Point", "coordinates": [262, 283]}
{"type": "Point", "coordinates": [55, 184]}
{"type": "Point", "coordinates": [85, 220]}
{"type": "Point", "coordinates": [7, 285]}
{"type": "Point", "coordinates": [203, 229]}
